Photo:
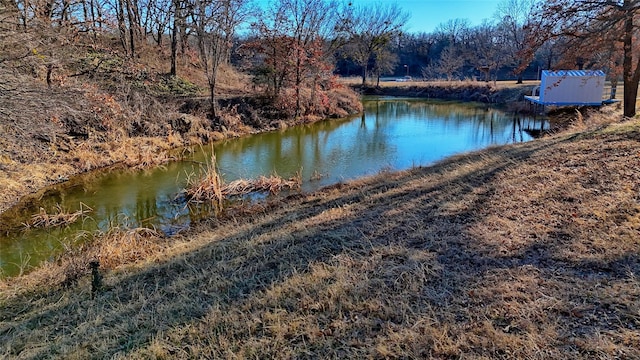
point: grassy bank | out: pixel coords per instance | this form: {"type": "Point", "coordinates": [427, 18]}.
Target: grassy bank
{"type": "Point", "coordinates": [526, 251]}
{"type": "Point", "coordinates": [129, 113]}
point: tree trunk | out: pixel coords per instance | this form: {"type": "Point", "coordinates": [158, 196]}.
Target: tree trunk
{"type": "Point", "coordinates": [85, 13]}
{"type": "Point", "coordinates": [159, 30]}
{"type": "Point", "coordinates": [614, 88]}
{"type": "Point", "coordinates": [22, 14]}
{"type": "Point", "coordinates": [298, 77]}
{"type": "Point", "coordinates": [212, 99]}
{"type": "Point", "coordinates": [312, 101]}
{"type": "Point", "coordinates": [182, 30]}
{"type": "Point", "coordinates": [630, 81]}
{"type": "Point", "coordinates": [174, 39]}
{"type": "Point", "coordinates": [64, 15]}
{"type": "Point", "coordinates": [630, 91]}
{"type": "Point", "coordinates": [47, 11]}
{"type": "Point", "coordinates": [137, 20]}
{"type": "Point", "coordinates": [99, 12]}
{"type": "Point", "coordinates": [132, 22]}
{"type": "Point", "coordinates": [92, 9]}
{"type": "Point", "coordinates": [121, 26]}
{"type": "Point", "coordinates": [49, 71]}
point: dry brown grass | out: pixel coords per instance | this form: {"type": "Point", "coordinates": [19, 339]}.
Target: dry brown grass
{"type": "Point", "coordinates": [272, 184]}
{"type": "Point", "coordinates": [16, 179]}
{"type": "Point", "coordinates": [113, 248]}
{"type": "Point", "coordinates": [528, 251]}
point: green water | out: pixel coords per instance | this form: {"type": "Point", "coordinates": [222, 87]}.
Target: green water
{"type": "Point", "coordinates": [392, 134]}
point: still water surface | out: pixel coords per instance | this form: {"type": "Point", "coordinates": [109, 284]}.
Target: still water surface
{"type": "Point", "coordinates": [393, 134]}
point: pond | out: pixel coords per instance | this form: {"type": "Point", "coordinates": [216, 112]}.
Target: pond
{"type": "Point", "coordinates": [392, 134]}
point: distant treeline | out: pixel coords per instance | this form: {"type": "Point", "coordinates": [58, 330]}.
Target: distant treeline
{"type": "Point", "coordinates": [292, 44]}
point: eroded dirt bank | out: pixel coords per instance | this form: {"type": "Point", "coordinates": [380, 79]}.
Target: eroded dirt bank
{"type": "Point", "coordinates": [50, 133]}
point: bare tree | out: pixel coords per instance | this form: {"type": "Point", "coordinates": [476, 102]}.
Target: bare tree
{"type": "Point", "coordinates": [512, 16]}
{"type": "Point", "coordinates": [310, 23]}
{"type": "Point", "coordinates": [157, 16]}
{"type": "Point", "coordinates": [450, 62]}
{"type": "Point", "coordinates": [179, 8]}
{"type": "Point", "coordinates": [270, 51]}
{"type": "Point", "coordinates": [13, 34]}
{"type": "Point", "coordinates": [292, 43]}
{"type": "Point", "coordinates": [415, 51]}
{"type": "Point", "coordinates": [453, 31]}
{"type": "Point", "coordinates": [485, 49]}
{"type": "Point", "coordinates": [384, 61]}
{"type": "Point", "coordinates": [370, 29]}
{"type": "Point", "coordinates": [133, 20]}
{"type": "Point", "coordinates": [215, 23]}
{"type": "Point", "coordinates": [130, 30]}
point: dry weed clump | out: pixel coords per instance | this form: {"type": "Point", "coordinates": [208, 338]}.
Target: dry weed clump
{"type": "Point", "coordinates": [137, 152]}
{"type": "Point", "coordinates": [212, 188]}
{"type": "Point", "coordinates": [342, 103]}
{"type": "Point", "coordinates": [316, 104]}
{"type": "Point", "coordinates": [61, 218]}
{"type": "Point", "coordinates": [272, 184]}
{"type": "Point", "coordinates": [122, 246]}
{"type": "Point", "coordinates": [584, 118]}
{"type": "Point", "coordinates": [208, 187]}
{"type": "Point", "coordinates": [16, 180]}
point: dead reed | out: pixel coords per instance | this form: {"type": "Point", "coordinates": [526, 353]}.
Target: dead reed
{"type": "Point", "coordinates": [273, 184]}
{"type": "Point", "coordinates": [208, 187]}
{"type": "Point", "coordinates": [211, 187]}
{"type": "Point", "coordinates": [60, 218]}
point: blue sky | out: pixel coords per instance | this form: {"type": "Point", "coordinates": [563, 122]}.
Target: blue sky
{"type": "Point", "coordinates": [427, 14]}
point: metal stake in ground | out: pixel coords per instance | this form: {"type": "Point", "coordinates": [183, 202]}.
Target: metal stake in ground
{"type": "Point", "coordinates": [96, 278]}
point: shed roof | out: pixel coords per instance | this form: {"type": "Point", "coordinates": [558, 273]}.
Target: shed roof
{"type": "Point", "coordinates": [573, 73]}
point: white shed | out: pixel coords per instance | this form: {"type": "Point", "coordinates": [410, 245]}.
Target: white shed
{"type": "Point", "coordinates": [570, 87]}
